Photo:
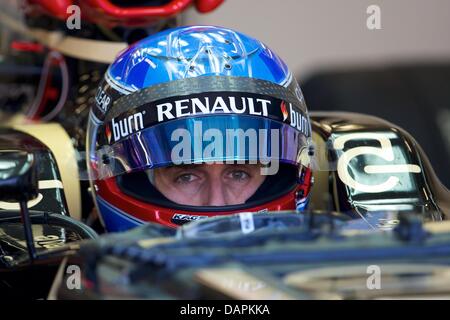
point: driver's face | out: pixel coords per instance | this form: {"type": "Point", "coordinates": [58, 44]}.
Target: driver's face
{"type": "Point", "coordinates": [209, 184]}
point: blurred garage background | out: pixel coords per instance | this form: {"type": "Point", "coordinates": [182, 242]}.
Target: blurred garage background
{"type": "Point", "coordinates": [400, 72]}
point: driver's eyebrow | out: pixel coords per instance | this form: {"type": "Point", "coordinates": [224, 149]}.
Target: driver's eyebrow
{"type": "Point", "coordinates": [199, 167]}
{"type": "Point", "coordinates": [183, 167]}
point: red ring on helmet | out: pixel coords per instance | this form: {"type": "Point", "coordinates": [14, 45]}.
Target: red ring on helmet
{"type": "Point", "coordinates": [144, 211]}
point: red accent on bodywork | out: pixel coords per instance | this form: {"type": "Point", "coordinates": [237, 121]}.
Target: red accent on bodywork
{"type": "Point", "coordinates": [108, 8]}
{"type": "Point", "coordinates": [104, 11]}
{"type": "Point", "coordinates": [51, 93]}
{"type": "Point", "coordinates": [205, 6]}
{"type": "Point", "coordinates": [55, 8]}
{"type": "Point", "coordinates": [27, 46]}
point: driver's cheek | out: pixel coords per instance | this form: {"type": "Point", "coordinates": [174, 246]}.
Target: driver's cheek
{"type": "Point", "coordinates": [235, 193]}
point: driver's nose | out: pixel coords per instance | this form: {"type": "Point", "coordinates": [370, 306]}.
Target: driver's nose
{"type": "Point", "coordinates": [216, 195]}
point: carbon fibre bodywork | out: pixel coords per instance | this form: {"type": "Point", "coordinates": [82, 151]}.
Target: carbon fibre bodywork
{"type": "Point", "coordinates": [52, 227]}
{"type": "Point", "coordinates": [363, 163]}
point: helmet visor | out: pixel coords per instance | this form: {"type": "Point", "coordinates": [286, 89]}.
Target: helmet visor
{"type": "Point", "coordinates": [214, 138]}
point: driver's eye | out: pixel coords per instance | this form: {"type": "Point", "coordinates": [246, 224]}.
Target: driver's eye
{"type": "Point", "coordinates": [239, 175]}
{"type": "Point", "coordinates": [185, 178]}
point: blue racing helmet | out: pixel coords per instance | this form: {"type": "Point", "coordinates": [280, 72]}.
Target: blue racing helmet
{"type": "Point", "coordinates": [189, 95]}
